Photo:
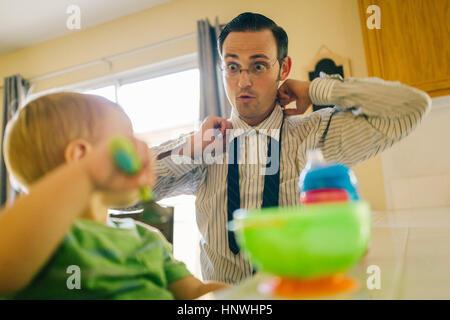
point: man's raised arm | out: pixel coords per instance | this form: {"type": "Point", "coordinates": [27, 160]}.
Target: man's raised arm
{"type": "Point", "coordinates": [370, 115]}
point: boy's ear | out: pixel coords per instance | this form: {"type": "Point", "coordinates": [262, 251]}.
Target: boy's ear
{"type": "Point", "coordinates": [76, 150]}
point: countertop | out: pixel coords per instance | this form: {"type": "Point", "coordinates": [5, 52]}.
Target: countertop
{"type": "Point", "coordinates": [411, 248]}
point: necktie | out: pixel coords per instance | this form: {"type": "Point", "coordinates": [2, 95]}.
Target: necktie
{"type": "Point", "coordinates": [271, 183]}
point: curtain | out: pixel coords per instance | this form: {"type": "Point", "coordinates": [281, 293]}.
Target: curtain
{"type": "Point", "coordinates": [15, 92]}
{"type": "Point", "coordinates": [213, 99]}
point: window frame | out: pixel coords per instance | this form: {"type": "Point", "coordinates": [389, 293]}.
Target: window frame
{"type": "Point", "coordinates": [152, 71]}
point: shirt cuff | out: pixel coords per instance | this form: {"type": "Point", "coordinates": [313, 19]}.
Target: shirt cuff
{"type": "Point", "coordinates": [178, 165]}
{"type": "Point", "coordinates": [321, 88]}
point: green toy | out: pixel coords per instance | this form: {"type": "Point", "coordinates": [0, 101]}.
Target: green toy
{"type": "Point", "coordinates": [125, 156]}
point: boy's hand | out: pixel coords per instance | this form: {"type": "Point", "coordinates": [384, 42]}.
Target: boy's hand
{"type": "Point", "coordinates": [190, 287]}
{"type": "Point", "coordinates": [106, 175]}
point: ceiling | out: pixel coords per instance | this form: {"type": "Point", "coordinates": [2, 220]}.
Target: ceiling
{"type": "Point", "coordinates": [28, 22]}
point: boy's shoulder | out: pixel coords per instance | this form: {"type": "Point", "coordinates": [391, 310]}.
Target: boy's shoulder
{"type": "Point", "coordinates": [123, 240]}
{"type": "Point", "coordinates": [120, 229]}
{"type": "Point", "coordinates": [147, 230]}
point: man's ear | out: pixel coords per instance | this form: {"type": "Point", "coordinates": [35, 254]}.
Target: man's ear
{"type": "Point", "coordinates": [285, 68]}
{"type": "Point", "coordinates": [76, 150]}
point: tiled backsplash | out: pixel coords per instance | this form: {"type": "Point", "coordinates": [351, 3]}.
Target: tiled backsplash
{"type": "Point", "coordinates": [417, 169]}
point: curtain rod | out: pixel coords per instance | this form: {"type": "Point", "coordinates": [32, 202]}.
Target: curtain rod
{"type": "Point", "coordinates": [108, 59]}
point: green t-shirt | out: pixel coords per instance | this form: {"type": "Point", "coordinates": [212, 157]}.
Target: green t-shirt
{"type": "Point", "coordinates": [114, 263]}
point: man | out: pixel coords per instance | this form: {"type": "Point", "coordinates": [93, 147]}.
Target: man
{"type": "Point", "coordinates": [370, 116]}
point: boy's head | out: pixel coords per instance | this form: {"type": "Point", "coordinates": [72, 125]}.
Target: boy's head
{"type": "Point", "coordinates": [58, 128]}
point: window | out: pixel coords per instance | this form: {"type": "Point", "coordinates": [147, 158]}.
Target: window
{"type": "Point", "coordinates": [108, 92]}
{"type": "Point", "coordinates": [162, 103]}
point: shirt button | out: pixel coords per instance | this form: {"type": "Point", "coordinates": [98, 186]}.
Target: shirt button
{"type": "Point", "coordinates": [255, 176]}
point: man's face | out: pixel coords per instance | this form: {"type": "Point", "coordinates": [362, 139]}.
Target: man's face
{"type": "Point", "coordinates": [253, 96]}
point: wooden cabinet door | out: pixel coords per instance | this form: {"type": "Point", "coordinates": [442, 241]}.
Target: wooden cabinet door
{"type": "Point", "coordinates": [412, 44]}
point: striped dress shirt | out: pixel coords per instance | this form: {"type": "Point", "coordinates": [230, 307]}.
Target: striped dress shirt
{"type": "Point", "coordinates": [369, 116]}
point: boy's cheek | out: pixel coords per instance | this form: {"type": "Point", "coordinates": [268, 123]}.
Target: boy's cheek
{"type": "Point", "coordinates": [120, 199]}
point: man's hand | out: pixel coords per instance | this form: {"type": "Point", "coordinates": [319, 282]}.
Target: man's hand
{"type": "Point", "coordinates": [213, 131]}
{"type": "Point", "coordinates": [294, 90]}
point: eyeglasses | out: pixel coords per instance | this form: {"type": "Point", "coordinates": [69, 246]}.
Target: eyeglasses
{"type": "Point", "coordinates": [255, 69]}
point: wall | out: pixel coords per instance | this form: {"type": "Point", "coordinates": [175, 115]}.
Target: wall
{"type": "Point", "coordinates": [417, 170]}
{"type": "Point", "coordinates": [1, 121]}
{"type": "Point", "coordinates": [309, 24]}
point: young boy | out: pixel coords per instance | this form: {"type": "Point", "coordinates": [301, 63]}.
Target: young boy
{"type": "Point", "coordinates": [54, 243]}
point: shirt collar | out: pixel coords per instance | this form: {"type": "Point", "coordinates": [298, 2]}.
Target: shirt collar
{"type": "Point", "coordinates": [269, 126]}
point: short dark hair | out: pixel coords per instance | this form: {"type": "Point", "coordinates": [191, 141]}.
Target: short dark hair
{"type": "Point", "coordinates": [249, 21]}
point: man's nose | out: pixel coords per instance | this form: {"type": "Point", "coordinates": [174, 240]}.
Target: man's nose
{"type": "Point", "coordinates": [244, 79]}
